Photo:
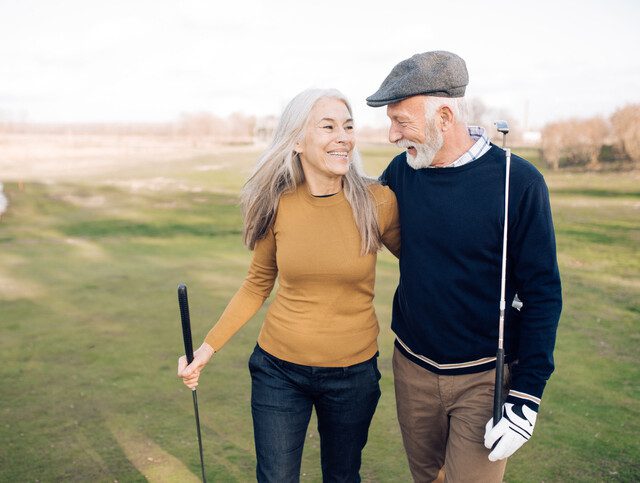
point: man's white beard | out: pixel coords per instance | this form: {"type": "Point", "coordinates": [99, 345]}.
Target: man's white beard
{"type": "Point", "coordinates": [425, 152]}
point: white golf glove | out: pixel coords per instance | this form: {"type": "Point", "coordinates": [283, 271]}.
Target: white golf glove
{"type": "Point", "coordinates": [512, 431]}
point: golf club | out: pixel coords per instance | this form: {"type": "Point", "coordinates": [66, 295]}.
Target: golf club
{"type": "Point", "coordinates": [183, 302]}
{"type": "Point", "coordinates": [502, 127]}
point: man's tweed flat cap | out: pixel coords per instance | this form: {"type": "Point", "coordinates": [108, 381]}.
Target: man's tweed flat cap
{"type": "Point", "coordinates": [438, 73]}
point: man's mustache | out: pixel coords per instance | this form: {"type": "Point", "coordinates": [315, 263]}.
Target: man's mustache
{"type": "Point", "coordinates": [403, 143]}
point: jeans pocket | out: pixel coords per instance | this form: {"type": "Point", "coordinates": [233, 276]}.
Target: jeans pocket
{"type": "Point", "coordinates": [374, 370]}
{"type": "Point", "coordinates": [254, 360]}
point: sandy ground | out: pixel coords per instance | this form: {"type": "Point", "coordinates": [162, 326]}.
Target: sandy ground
{"type": "Point", "coordinates": [57, 157]}
{"type": "Point", "coordinates": [107, 158]}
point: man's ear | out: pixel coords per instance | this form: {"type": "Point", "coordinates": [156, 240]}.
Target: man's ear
{"type": "Point", "coordinates": [446, 118]}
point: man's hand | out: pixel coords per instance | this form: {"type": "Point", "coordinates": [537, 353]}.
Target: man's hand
{"type": "Point", "coordinates": [512, 431]}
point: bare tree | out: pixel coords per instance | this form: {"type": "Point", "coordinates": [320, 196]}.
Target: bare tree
{"type": "Point", "coordinates": [481, 115]}
{"type": "Point", "coordinates": [591, 136]}
{"type": "Point", "coordinates": [240, 127]}
{"type": "Point", "coordinates": [553, 135]}
{"type": "Point", "coordinates": [626, 126]}
{"type": "Point", "coordinates": [577, 141]}
{"type": "Point", "coordinates": [478, 112]}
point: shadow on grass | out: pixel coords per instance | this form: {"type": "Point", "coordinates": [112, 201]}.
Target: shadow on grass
{"type": "Point", "coordinates": [148, 458]}
{"type": "Point", "coordinates": [588, 236]}
{"type": "Point", "coordinates": [173, 455]}
{"type": "Point", "coordinates": [115, 462]}
{"type": "Point", "coordinates": [596, 193]}
{"type": "Point", "coordinates": [120, 227]}
{"type": "Point", "coordinates": [604, 233]}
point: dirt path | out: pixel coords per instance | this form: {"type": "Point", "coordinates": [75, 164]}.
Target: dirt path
{"type": "Point", "coordinates": [70, 157]}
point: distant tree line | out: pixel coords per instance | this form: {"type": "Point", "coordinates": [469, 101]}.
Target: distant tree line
{"type": "Point", "coordinates": [234, 128]}
{"type": "Point", "coordinates": [588, 143]}
{"type": "Point", "coordinates": [591, 143]}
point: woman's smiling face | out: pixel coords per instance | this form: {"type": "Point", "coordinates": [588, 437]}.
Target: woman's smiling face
{"type": "Point", "coordinates": [329, 140]}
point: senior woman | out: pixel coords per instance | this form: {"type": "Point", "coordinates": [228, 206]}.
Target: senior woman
{"type": "Point", "coordinates": [315, 223]}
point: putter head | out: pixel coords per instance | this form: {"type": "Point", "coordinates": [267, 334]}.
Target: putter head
{"type": "Point", "coordinates": [502, 126]}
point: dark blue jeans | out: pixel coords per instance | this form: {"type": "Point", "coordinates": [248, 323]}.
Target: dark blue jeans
{"type": "Point", "coordinates": [282, 396]}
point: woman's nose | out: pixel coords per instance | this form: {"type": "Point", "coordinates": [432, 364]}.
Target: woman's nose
{"type": "Point", "coordinates": [345, 136]}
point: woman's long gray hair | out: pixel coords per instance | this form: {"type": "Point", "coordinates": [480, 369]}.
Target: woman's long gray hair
{"type": "Point", "coordinates": [279, 170]}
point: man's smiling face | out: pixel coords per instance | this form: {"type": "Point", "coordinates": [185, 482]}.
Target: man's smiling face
{"type": "Point", "coordinates": [415, 129]}
{"type": "Point", "coordinates": [408, 121]}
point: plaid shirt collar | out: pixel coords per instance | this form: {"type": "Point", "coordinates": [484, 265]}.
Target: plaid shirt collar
{"type": "Point", "coordinates": [480, 147]}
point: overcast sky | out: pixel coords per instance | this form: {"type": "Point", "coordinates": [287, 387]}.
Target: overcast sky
{"type": "Point", "coordinates": [140, 60]}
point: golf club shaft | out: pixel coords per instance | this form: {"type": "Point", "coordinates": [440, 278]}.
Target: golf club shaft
{"type": "Point", "coordinates": [183, 302]}
{"type": "Point", "coordinates": [195, 408]}
{"type": "Point", "coordinates": [498, 393]}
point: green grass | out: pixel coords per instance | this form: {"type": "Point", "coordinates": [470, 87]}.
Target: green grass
{"type": "Point", "coordinates": [90, 333]}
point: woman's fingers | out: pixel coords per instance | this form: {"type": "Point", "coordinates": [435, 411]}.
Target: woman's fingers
{"type": "Point", "coordinates": [182, 365]}
{"type": "Point", "coordinates": [185, 369]}
{"type": "Point", "coordinates": [192, 381]}
{"type": "Point", "coordinates": [190, 373]}
{"type": "Point", "coordinates": [193, 377]}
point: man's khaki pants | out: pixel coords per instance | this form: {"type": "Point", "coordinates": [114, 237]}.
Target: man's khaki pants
{"type": "Point", "coordinates": [442, 419]}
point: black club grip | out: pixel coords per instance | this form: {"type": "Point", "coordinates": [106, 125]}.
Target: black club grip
{"type": "Point", "coordinates": [183, 301]}
{"type": "Point", "coordinates": [498, 395]}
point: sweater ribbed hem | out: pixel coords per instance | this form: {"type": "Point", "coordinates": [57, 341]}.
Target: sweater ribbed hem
{"type": "Point", "coordinates": [450, 369]}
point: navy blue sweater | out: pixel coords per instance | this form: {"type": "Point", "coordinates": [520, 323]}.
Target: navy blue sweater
{"type": "Point", "coordinates": [446, 307]}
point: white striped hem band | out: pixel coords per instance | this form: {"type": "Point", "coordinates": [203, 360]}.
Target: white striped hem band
{"type": "Point", "coordinates": [458, 365]}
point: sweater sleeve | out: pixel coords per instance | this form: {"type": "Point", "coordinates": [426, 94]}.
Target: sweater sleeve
{"type": "Point", "coordinates": [252, 293]}
{"type": "Point", "coordinates": [532, 251]}
{"type": "Point", "coordinates": [385, 176]}
{"type": "Point", "coordinates": [389, 222]}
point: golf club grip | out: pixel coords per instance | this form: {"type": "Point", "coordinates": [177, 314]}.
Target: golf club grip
{"type": "Point", "coordinates": [498, 394]}
{"type": "Point", "coordinates": [183, 301]}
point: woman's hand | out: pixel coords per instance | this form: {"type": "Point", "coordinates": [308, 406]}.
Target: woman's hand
{"type": "Point", "coordinates": [191, 372]}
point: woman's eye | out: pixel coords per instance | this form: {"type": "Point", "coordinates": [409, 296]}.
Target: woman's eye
{"type": "Point", "coordinates": [348, 128]}
{"type": "Point", "coordinates": [327, 127]}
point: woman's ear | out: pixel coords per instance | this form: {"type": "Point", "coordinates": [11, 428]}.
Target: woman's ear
{"type": "Point", "coordinates": [298, 148]}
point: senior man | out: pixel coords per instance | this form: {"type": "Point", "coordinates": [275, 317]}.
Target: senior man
{"type": "Point", "coordinates": [450, 188]}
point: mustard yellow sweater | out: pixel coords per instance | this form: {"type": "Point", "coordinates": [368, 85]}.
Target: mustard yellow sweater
{"type": "Point", "coordinates": [323, 312]}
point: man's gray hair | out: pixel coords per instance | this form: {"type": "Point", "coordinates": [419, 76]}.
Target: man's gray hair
{"type": "Point", "coordinates": [458, 106]}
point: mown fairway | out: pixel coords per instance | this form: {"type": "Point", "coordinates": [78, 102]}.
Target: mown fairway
{"type": "Point", "coordinates": [90, 331]}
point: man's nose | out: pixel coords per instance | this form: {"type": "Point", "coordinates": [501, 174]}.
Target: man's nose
{"type": "Point", "coordinates": [394, 134]}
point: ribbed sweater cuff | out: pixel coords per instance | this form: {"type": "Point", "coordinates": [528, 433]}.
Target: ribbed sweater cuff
{"type": "Point", "coordinates": [517, 397]}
